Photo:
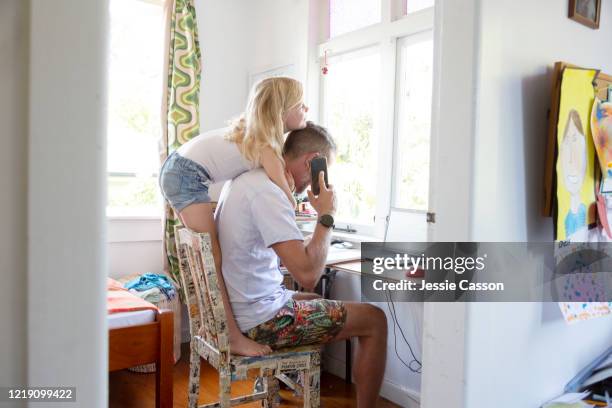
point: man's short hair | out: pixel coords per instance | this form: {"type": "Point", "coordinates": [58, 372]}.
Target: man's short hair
{"type": "Point", "coordinates": [313, 138]}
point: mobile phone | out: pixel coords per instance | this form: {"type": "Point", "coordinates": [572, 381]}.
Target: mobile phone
{"type": "Point", "coordinates": [317, 165]}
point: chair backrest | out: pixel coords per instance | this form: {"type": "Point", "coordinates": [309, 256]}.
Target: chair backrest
{"type": "Point", "coordinates": [201, 287]}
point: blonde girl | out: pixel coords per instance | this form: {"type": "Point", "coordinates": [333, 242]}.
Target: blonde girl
{"type": "Point", "coordinates": [255, 139]}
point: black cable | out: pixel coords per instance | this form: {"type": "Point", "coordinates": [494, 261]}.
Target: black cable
{"type": "Point", "coordinates": [415, 360]}
{"type": "Point", "coordinates": [402, 331]}
{"type": "Point", "coordinates": [408, 365]}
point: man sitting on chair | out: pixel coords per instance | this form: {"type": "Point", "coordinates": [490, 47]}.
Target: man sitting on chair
{"type": "Point", "coordinates": [256, 227]}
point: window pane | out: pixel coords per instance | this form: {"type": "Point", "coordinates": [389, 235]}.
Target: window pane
{"type": "Point", "coordinates": [350, 15]}
{"type": "Point", "coordinates": [351, 103]}
{"type": "Point", "coordinates": [414, 124]}
{"type": "Point", "coordinates": [135, 69]}
{"type": "Point", "coordinates": [417, 5]}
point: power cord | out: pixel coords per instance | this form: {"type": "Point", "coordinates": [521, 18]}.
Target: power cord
{"type": "Point", "coordinates": [415, 364]}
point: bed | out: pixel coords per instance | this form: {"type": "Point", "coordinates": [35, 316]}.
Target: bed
{"type": "Point", "coordinates": [139, 333]}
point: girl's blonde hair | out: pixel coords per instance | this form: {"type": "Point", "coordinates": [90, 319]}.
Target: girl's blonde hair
{"type": "Point", "coordinates": [262, 122]}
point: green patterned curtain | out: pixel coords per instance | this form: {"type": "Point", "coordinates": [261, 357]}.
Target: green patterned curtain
{"type": "Point", "coordinates": [181, 114]}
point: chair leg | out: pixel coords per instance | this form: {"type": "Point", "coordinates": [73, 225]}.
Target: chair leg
{"type": "Point", "coordinates": [225, 387]}
{"type": "Point", "coordinates": [272, 388]}
{"type": "Point", "coordinates": [194, 377]}
{"type": "Point", "coordinates": [312, 383]}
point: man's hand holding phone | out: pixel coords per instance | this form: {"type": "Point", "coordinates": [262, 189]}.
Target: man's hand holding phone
{"type": "Point", "coordinates": [325, 202]}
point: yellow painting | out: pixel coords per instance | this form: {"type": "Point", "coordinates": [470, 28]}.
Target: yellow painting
{"type": "Point", "coordinates": [575, 165]}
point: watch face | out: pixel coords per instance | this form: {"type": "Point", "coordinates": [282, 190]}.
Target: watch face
{"type": "Point", "coordinates": [327, 220]}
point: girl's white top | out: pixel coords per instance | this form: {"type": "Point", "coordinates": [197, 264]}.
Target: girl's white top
{"type": "Point", "coordinates": [220, 157]}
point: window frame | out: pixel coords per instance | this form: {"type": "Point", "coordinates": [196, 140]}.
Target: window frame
{"type": "Point", "coordinates": [363, 229]}
{"type": "Point", "coordinates": [410, 39]}
{"type": "Point", "coordinates": [394, 25]}
{"type": "Point", "coordinates": [114, 214]}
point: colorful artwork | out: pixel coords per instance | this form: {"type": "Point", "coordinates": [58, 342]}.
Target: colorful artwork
{"type": "Point", "coordinates": [574, 312]}
{"type": "Point", "coordinates": [601, 128]}
{"type": "Point", "coordinates": [584, 286]}
{"type": "Point", "coordinates": [585, 291]}
{"type": "Point", "coordinates": [576, 200]}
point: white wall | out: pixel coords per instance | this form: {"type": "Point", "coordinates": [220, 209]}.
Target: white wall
{"type": "Point", "coordinates": [523, 352]}
{"type": "Point", "coordinates": [14, 48]}
{"type": "Point", "coordinates": [241, 37]}
{"type": "Point", "coordinates": [278, 35]}
{"type": "Point", "coordinates": [67, 334]}
{"type": "Point", "coordinates": [223, 28]}
{"type": "Point", "coordinates": [134, 246]}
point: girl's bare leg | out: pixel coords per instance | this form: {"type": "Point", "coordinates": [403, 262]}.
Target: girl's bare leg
{"type": "Point", "coordinates": [200, 218]}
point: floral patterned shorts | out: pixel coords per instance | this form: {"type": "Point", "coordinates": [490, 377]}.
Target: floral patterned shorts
{"type": "Point", "coordinates": [301, 322]}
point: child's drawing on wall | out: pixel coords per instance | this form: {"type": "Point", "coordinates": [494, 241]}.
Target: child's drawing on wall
{"type": "Point", "coordinates": [573, 168]}
{"type": "Point", "coordinates": [582, 290]}
{"type": "Point", "coordinates": [601, 128]}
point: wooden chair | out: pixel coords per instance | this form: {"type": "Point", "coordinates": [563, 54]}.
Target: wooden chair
{"type": "Point", "coordinates": [210, 337]}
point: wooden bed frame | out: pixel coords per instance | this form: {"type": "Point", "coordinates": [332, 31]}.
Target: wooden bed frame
{"type": "Point", "coordinates": [144, 344]}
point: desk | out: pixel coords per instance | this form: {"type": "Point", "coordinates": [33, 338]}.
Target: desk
{"type": "Point", "coordinates": [342, 255]}
{"type": "Point", "coordinates": [353, 267]}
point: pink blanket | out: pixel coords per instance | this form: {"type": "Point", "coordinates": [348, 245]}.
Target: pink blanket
{"type": "Point", "coordinates": [119, 299]}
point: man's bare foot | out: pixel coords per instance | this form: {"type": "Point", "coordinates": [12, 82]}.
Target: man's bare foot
{"type": "Point", "coordinates": [244, 346]}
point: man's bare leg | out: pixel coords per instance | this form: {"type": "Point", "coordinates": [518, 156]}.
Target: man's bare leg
{"type": "Point", "coordinates": [369, 324]}
{"type": "Point", "coordinates": [200, 218]}
{"type": "Point", "coordinates": [306, 296]}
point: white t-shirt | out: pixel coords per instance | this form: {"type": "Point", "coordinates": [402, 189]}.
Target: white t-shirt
{"type": "Point", "coordinates": [254, 214]}
{"type": "Point", "coordinates": [220, 158]}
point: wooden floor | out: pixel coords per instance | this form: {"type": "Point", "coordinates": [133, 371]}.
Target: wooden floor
{"type": "Point", "coordinates": [134, 390]}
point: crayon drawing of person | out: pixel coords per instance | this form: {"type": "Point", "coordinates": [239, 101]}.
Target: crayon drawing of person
{"type": "Point", "coordinates": [573, 166]}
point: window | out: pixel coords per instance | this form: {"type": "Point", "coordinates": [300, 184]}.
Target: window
{"type": "Point", "coordinates": [350, 15]}
{"type": "Point", "coordinates": [351, 112]}
{"type": "Point", "coordinates": [412, 6]}
{"type": "Point", "coordinates": [134, 98]}
{"type": "Point", "coordinates": [413, 121]}
{"type": "Point", "coordinates": [375, 98]}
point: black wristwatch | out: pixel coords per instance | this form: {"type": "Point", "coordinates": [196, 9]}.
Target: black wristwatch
{"type": "Point", "coordinates": [326, 220]}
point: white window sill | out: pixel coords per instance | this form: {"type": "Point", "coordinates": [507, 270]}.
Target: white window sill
{"type": "Point", "coordinates": [133, 217]}
{"type": "Point", "coordinates": [308, 229]}
{"type": "Point", "coordinates": [345, 236]}
{"type": "Point", "coordinates": [133, 214]}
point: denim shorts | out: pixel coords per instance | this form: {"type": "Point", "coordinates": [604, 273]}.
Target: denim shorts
{"type": "Point", "coordinates": [183, 182]}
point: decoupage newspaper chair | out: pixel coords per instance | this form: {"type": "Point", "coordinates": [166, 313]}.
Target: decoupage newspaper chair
{"type": "Point", "coordinates": [210, 337]}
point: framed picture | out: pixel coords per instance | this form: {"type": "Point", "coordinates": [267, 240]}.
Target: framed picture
{"type": "Point", "coordinates": [585, 12]}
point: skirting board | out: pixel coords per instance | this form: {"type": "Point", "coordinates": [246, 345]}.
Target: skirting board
{"type": "Point", "coordinates": [399, 395]}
